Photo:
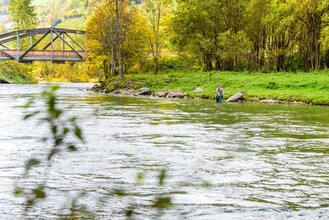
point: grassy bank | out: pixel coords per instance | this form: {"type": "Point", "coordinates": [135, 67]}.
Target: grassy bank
{"type": "Point", "coordinates": [310, 88]}
{"type": "Point", "coordinates": [15, 73]}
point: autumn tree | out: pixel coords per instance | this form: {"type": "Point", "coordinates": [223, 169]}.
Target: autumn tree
{"type": "Point", "coordinates": [115, 33]}
{"type": "Point", "coordinates": [155, 12]}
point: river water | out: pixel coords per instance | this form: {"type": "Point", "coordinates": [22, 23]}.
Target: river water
{"type": "Point", "coordinates": [223, 161]}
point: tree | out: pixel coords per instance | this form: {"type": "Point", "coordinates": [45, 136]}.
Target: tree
{"type": "Point", "coordinates": [205, 29]}
{"type": "Point", "coordinates": [195, 30]}
{"type": "Point", "coordinates": [23, 14]}
{"type": "Point", "coordinates": [115, 36]}
{"type": "Point", "coordinates": [281, 34]}
{"type": "Point", "coordinates": [155, 12]}
{"type": "Point", "coordinates": [311, 13]}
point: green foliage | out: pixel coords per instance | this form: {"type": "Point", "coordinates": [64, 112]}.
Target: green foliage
{"type": "Point", "coordinates": [23, 14]}
{"type": "Point", "coordinates": [60, 129]}
{"type": "Point", "coordinates": [266, 35]}
{"type": "Point", "coordinates": [15, 72]}
{"type": "Point", "coordinates": [115, 44]}
{"type": "Point", "coordinates": [162, 202]}
{"type": "Point", "coordinates": [30, 164]}
{"type": "Point", "coordinates": [68, 72]}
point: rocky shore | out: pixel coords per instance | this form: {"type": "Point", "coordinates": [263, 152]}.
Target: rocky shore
{"type": "Point", "coordinates": [127, 90]}
{"type": "Point", "coordinates": [238, 97]}
{"type": "Point", "coordinates": [141, 92]}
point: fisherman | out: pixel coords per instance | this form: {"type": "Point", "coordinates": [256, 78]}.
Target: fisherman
{"type": "Point", "coordinates": [219, 93]}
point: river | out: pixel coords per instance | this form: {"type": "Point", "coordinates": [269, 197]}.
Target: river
{"type": "Point", "coordinates": [223, 161]}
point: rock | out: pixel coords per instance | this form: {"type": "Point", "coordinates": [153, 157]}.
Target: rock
{"type": "Point", "coordinates": [128, 86]}
{"type": "Point", "coordinates": [176, 94]}
{"type": "Point", "coordinates": [97, 88]}
{"type": "Point", "coordinates": [145, 91]}
{"type": "Point", "coordinates": [237, 97]}
{"type": "Point", "coordinates": [269, 101]}
{"type": "Point", "coordinates": [116, 91]}
{"type": "Point", "coordinates": [198, 90]}
{"type": "Point", "coordinates": [162, 93]}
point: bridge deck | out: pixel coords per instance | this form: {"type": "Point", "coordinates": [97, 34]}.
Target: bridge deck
{"type": "Point", "coordinates": [44, 55]}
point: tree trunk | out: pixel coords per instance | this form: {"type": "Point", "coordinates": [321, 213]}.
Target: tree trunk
{"type": "Point", "coordinates": [207, 63]}
{"type": "Point", "coordinates": [218, 64]}
{"type": "Point", "coordinates": [280, 63]}
{"type": "Point", "coordinates": [155, 65]}
{"type": "Point", "coordinates": [113, 62]}
{"type": "Point", "coordinates": [119, 40]}
{"type": "Point", "coordinates": [326, 59]}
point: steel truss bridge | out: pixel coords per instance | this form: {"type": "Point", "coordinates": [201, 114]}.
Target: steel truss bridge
{"type": "Point", "coordinates": [44, 44]}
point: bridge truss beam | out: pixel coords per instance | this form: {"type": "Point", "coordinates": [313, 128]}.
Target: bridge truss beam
{"type": "Point", "coordinates": [15, 50]}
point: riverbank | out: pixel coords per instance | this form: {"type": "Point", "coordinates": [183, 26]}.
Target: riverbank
{"type": "Point", "coordinates": [300, 87]}
{"type": "Point", "coordinates": [15, 73]}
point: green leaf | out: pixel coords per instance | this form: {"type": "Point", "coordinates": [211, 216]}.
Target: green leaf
{"type": "Point", "coordinates": [162, 202]}
{"type": "Point", "coordinates": [73, 119]}
{"type": "Point", "coordinates": [54, 129]}
{"type": "Point", "coordinates": [140, 177]}
{"type": "Point", "coordinates": [58, 141]}
{"type": "Point", "coordinates": [31, 163]}
{"type": "Point", "coordinates": [162, 177]}
{"type": "Point", "coordinates": [72, 148]}
{"type": "Point", "coordinates": [129, 213]}
{"type": "Point", "coordinates": [18, 191]}
{"type": "Point", "coordinates": [28, 104]}
{"type": "Point", "coordinates": [66, 131]}
{"type": "Point", "coordinates": [30, 115]}
{"type": "Point", "coordinates": [78, 133]}
{"type": "Point", "coordinates": [119, 192]}
{"type": "Point", "coordinates": [39, 193]}
{"type": "Point", "coordinates": [30, 202]}
{"type": "Point", "coordinates": [52, 153]}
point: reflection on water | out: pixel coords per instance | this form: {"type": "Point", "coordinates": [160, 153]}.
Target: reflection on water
{"type": "Point", "coordinates": [225, 161]}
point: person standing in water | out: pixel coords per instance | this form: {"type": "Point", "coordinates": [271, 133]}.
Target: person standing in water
{"type": "Point", "coordinates": [219, 93]}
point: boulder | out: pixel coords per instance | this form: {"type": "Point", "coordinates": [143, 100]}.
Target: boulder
{"type": "Point", "coordinates": [98, 88]}
{"type": "Point", "coordinates": [145, 91]}
{"type": "Point", "coordinates": [116, 91]}
{"type": "Point", "coordinates": [128, 86]}
{"type": "Point", "coordinates": [198, 90]}
{"type": "Point", "coordinates": [237, 97]}
{"type": "Point", "coordinates": [176, 94]}
{"type": "Point", "coordinates": [162, 93]}
{"type": "Point", "coordinates": [269, 101]}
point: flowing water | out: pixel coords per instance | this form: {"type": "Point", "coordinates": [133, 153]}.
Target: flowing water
{"type": "Point", "coordinates": [223, 161]}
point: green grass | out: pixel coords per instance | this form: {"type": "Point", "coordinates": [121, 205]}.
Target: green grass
{"type": "Point", "coordinates": [310, 88]}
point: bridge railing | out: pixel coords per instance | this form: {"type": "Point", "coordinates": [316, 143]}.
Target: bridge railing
{"type": "Point", "coordinates": [45, 55]}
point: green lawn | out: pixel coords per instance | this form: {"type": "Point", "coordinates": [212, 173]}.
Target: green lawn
{"type": "Point", "coordinates": [310, 88]}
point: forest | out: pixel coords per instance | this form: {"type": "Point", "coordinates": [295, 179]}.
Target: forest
{"type": "Point", "coordinates": [155, 36]}
{"type": "Point", "coordinates": [222, 35]}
